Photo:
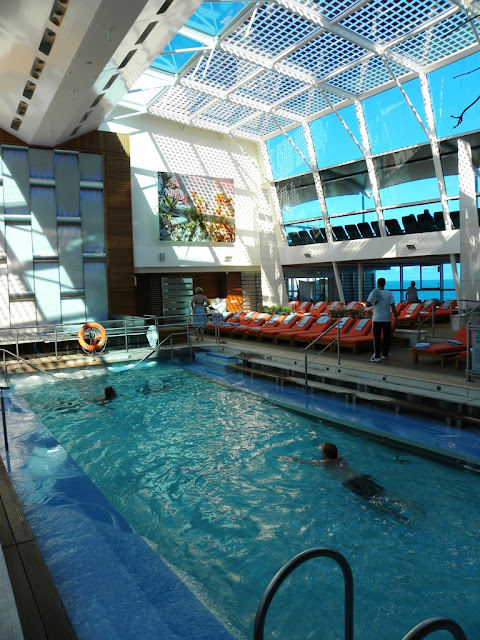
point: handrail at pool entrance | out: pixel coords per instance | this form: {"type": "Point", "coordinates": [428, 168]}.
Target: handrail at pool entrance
{"type": "Point", "coordinates": [160, 344]}
{"type": "Point", "coordinates": [426, 627]}
{"type": "Point", "coordinates": [287, 569]}
{"type": "Point", "coordinates": [336, 339]}
{"type": "Point", "coordinates": [16, 356]}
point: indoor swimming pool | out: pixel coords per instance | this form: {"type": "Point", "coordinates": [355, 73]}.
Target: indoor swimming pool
{"type": "Point", "coordinates": [201, 471]}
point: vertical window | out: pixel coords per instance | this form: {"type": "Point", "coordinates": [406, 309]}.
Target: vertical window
{"type": "Point", "coordinates": [332, 142]}
{"type": "Point", "coordinates": [284, 158]}
{"type": "Point", "coordinates": [452, 89]}
{"type": "Point", "coordinates": [391, 123]}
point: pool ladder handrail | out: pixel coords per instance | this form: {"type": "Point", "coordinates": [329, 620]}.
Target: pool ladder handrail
{"type": "Point", "coordinates": [160, 344]}
{"type": "Point", "coordinates": [420, 631]}
{"type": "Point", "coordinates": [287, 569]}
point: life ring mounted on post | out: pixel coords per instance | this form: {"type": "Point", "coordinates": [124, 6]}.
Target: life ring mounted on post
{"type": "Point", "coordinates": [97, 336]}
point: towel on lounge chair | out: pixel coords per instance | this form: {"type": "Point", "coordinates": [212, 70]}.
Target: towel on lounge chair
{"type": "Point", "coordinates": [454, 342]}
{"type": "Point", "coordinates": [422, 345]}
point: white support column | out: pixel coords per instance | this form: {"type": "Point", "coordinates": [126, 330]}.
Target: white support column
{"type": "Point", "coordinates": [427, 102]}
{"type": "Point", "coordinates": [273, 281]}
{"type": "Point", "coordinates": [360, 281]}
{"type": "Point", "coordinates": [338, 282]}
{"type": "Point", "coordinates": [317, 181]}
{"type": "Point", "coordinates": [469, 230]}
{"type": "Point", "coordinates": [372, 175]}
{"type": "Point", "coordinates": [456, 280]}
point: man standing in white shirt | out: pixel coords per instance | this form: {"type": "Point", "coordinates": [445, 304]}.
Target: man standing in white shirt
{"type": "Point", "coordinates": [383, 304]}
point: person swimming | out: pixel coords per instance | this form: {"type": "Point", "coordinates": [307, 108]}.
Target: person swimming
{"type": "Point", "coordinates": [110, 394]}
{"type": "Point", "coordinates": [359, 483]}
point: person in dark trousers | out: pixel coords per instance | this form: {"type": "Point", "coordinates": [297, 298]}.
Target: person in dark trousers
{"type": "Point", "coordinates": [383, 304]}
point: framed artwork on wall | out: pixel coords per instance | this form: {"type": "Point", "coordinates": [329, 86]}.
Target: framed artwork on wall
{"type": "Point", "coordinates": [195, 208]}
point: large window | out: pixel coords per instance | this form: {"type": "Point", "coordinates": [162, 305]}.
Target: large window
{"type": "Point", "coordinates": [347, 188]}
{"type": "Point", "coordinates": [390, 121]}
{"type": "Point", "coordinates": [298, 198]}
{"type": "Point", "coordinates": [332, 142]}
{"type": "Point", "coordinates": [284, 158]}
{"type": "Point", "coordinates": [453, 88]}
{"type": "Point", "coordinates": [406, 177]}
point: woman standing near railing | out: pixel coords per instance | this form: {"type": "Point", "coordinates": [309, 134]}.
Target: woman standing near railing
{"type": "Point", "coordinates": [199, 303]}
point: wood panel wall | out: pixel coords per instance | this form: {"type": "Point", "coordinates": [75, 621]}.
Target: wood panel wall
{"type": "Point", "coordinates": [118, 211]}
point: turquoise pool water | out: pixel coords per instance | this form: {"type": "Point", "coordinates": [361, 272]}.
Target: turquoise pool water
{"type": "Point", "coordinates": [196, 468]}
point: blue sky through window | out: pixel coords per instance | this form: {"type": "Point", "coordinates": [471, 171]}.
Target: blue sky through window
{"type": "Point", "coordinates": [284, 158]}
{"type": "Point", "coordinates": [390, 121]}
{"type": "Point", "coordinates": [213, 17]}
{"type": "Point", "coordinates": [172, 63]}
{"type": "Point", "coordinates": [333, 144]}
{"type": "Point", "coordinates": [452, 89]}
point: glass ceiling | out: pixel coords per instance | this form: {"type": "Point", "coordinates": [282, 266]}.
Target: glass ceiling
{"type": "Point", "coordinates": [252, 69]}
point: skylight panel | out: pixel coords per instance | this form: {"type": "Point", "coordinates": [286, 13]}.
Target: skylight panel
{"type": "Point", "coordinates": [264, 124]}
{"type": "Point", "coordinates": [382, 21]}
{"type": "Point", "coordinates": [147, 87]}
{"type": "Point", "coordinates": [180, 102]}
{"type": "Point", "coordinates": [270, 31]}
{"type": "Point", "coordinates": [174, 62]}
{"type": "Point", "coordinates": [323, 55]}
{"type": "Point", "coordinates": [269, 87]}
{"type": "Point", "coordinates": [366, 76]}
{"type": "Point", "coordinates": [329, 9]}
{"type": "Point", "coordinates": [307, 103]}
{"type": "Point", "coordinates": [212, 17]}
{"type": "Point", "coordinates": [221, 70]}
{"type": "Point", "coordinates": [439, 41]}
{"type": "Point", "coordinates": [228, 113]}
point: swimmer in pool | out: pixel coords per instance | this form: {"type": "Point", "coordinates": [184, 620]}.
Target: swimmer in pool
{"type": "Point", "coordinates": [110, 394]}
{"type": "Point", "coordinates": [359, 483]}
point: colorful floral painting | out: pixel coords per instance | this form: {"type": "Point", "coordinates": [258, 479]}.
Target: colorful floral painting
{"type": "Point", "coordinates": [195, 208]}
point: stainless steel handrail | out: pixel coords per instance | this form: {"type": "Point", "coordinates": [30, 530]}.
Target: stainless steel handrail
{"type": "Point", "coordinates": [287, 569]}
{"type": "Point", "coordinates": [337, 339]}
{"type": "Point", "coordinates": [160, 344]}
{"type": "Point", "coordinates": [5, 365]}
{"type": "Point", "coordinates": [426, 627]}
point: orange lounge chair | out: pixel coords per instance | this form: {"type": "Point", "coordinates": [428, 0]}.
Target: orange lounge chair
{"type": "Point", "coordinates": [302, 325]}
{"type": "Point", "coordinates": [252, 330]}
{"type": "Point", "coordinates": [355, 304]}
{"type": "Point", "coordinates": [333, 305]}
{"type": "Point", "coordinates": [409, 314]}
{"type": "Point", "coordinates": [243, 319]}
{"type": "Point", "coordinates": [293, 304]}
{"type": "Point", "coordinates": [317, 328]}
{"type": "Point", "coordinates": [360, 335]}
{"type": "Point", "coordinates": [303, 307]}
{"type": "Point", "coordinates": [224, 318]}
{"type": "Point", "coordinates": [258, 321]}
{"type": "Point", "coordinates": [318, 308]}
{"type": "Point", "coordinates": [462, 358]}
{"type": "Point", "coordinates": [342, 325]}
{"type": "Point", "coordinates": [287, 323]}
{"type": "Point", "coordinates": [442, 312]}
{"type": "Point", "coordinates": [443, 350]}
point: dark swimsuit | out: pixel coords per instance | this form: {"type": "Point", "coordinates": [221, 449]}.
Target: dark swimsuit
{"type": "Point", "coordinates": [364, 486]}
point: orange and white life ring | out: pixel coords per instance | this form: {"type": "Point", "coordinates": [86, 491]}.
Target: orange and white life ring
{"type": "Point", "coordinates": [97, 337]}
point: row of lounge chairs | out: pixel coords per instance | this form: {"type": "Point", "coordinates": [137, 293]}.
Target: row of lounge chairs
{"type": "Point", "coordinates": [312, 323]}
{"type": "Point", "coordinates": [422, 223]}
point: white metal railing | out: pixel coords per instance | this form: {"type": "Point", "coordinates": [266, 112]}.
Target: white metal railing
{"type": "Point", "coordinates": [57, 334]}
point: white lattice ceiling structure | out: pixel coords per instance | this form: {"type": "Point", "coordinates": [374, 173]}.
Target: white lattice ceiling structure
{"type": "Point", "coordinates": [247, 68]}
{"type": "Point", "coordinates": [280, 63]}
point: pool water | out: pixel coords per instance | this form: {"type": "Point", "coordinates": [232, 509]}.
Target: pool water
{"type": "Point", "coordinates": [198, 468]}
